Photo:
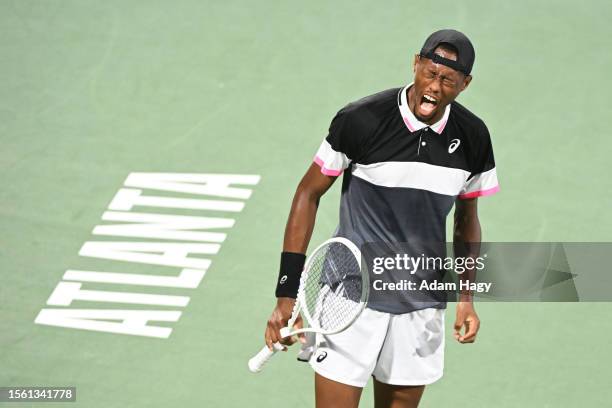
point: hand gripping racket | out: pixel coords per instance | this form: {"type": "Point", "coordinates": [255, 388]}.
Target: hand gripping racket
{"type": "Point", "coordinates": [332, 293]}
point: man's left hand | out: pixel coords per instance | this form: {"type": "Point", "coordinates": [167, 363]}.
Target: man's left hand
{"type": "Point", "coordinates": [467, 318]}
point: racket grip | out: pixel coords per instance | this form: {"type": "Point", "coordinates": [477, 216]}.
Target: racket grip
{"type": "Point", "coordinates": [257, 362]}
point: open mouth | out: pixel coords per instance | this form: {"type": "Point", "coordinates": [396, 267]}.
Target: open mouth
{"type": "Point", "coordinates": [428, 105]}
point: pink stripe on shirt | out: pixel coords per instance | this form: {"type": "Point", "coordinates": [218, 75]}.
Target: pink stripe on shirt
{"type": "Point", "coordinates": [325, 170]}
{"type": "Point", "coordinates": [481, 193]}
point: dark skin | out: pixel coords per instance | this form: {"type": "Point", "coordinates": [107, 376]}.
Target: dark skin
{"type": "Point", "coordinates": [444, 84]}
{"type": "Point", "coordinates": [438, 81]}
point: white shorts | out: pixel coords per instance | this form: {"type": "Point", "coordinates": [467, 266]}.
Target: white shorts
{"type": "Point", "coordinates": [406, 349]}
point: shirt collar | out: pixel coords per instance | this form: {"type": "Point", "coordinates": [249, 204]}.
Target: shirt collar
{"type": "Point", "coordinates": [412, 123]}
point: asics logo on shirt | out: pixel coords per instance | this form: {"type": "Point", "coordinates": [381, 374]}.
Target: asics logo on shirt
{"type": "Point", "coordinates": [454, 145]}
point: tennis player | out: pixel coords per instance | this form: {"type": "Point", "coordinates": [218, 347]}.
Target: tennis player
{"type": "Point", "coordinates": [408, 154]}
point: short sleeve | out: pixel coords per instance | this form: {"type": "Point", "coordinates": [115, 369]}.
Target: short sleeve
{"type": "Point", "coordinates": [483, 173]}
{"type": "Point", "coordinates": [341, 146]}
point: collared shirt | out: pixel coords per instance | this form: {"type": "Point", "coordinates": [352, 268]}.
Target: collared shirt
{"type": "Point", "coordinates": [402, 176]}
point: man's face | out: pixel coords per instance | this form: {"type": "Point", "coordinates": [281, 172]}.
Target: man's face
{"type": "Point", "coordinates": [435, 86]}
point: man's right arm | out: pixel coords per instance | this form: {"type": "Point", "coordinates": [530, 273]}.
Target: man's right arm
{"type": "Point", "coordinates": [297, 236]}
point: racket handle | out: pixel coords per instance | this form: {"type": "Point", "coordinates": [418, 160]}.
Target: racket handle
{"type": "Point", "coordinates": [257, 362]}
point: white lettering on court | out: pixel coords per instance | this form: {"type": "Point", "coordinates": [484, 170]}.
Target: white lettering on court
{"type": "Point", "coordinates": [182, 244]}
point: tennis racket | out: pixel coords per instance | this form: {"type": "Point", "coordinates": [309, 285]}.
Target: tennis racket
{"type": "Point", "coordinates": [332, 293]}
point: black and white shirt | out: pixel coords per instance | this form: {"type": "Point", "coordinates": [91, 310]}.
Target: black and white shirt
{"type": "Point", "coordinates": [402, 176]}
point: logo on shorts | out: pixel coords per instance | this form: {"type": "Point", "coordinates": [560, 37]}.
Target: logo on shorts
{"type": "Point", "coordinates": [321, 356]}
{"type": "Point", "coordinates": [283, 279]}
{"type": "Point", "coordinates": [454, 145]}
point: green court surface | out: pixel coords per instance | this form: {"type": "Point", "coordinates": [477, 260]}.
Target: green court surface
{"type": "Point", "coordinates": [94, 91]}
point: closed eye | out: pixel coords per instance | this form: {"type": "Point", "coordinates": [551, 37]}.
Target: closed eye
{"type": "Point", "coordinates": [430, 74]}
{"type": "Point", "coordinates": [448, 82]}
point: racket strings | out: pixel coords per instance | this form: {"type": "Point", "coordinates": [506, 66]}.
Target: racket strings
{"type": "Point", "coordinates": [333, 288]}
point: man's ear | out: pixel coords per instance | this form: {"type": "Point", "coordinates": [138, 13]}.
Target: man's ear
{"type": "Point", "coordinates": [414, 64]}
{"type": "Point", "coordinates": [466, 82]}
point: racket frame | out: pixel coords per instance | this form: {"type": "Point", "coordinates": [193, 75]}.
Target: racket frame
{"type": "Point", "coordinates": [287, 331]}
{"type": "Point", "coordinates": [257, 362]}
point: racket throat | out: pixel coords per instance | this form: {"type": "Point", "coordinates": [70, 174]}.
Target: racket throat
{"type": "Point", "coordinates": [285, 332]}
